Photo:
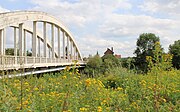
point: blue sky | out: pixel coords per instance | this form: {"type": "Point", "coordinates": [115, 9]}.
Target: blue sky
{"type": "Point", "coordinates": [98, 24]}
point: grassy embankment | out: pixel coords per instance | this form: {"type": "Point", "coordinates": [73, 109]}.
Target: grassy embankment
{"type": "Point", "coordinates": [120, 90]}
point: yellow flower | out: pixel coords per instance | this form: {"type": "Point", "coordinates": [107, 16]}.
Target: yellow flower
{"type": "Point", "coordinates": [119, 89]}
{"type": "Point", "coordinates": [99, 109]}
{"type": "Point", "coordinates": [27, 90]}
{"type": "Point", "coordinates": [25, 102]}
{"type": "Point", "coordinates": [103, 102]}
{"type": "Point", "coordinates": [16, 81]}
{"type": "Point", "coordinates": [88, 82]}
{"type": "Point", "coordinates": [100, 83]}
{"type": "Point", "coordinates": [26, 83]}
{"type": "Point", "coordinates": [164, 100]}
{"type": "Point", "coordinates": [36, 89]}
{"type": "Point", "coordinates": [143, 82]}
{"type": "Point", "coordinates": [83, 109]}
{"type": "Point", "coordinates": [79, 76]}
{"type": "Point", "coordinates": [67, 68]}
{"type": "Point", "coordinates": [64, 77]}
{"type": "Point", "coordinates": [158, 43]}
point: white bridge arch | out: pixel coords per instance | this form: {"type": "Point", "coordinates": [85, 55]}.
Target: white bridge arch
{"type": "Point", "coordinates": [64, 55]}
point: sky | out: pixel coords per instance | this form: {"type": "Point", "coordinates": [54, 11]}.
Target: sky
{"type": "Point", "coordinates": [100, 24]}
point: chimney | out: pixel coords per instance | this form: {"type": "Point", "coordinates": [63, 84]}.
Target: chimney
{"type": "Point", "coordinates": [112, 49]}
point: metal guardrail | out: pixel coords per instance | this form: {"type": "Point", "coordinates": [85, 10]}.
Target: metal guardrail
{"type": "Point", "coordinates": [16, 62]}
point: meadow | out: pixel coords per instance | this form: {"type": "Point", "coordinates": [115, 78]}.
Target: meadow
{"type": "Point", "coordinates": [70, 91]}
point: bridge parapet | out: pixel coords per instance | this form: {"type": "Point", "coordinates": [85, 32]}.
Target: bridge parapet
{"type": "Point", "coordinates": [20, 62]}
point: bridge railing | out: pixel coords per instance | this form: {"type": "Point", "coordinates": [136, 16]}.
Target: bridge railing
{"type": "Point", "coordinates": [9, 62]}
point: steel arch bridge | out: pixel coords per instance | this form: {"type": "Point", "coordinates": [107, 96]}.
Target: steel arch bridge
{"type": "Point", "coordinates": [49, 47]}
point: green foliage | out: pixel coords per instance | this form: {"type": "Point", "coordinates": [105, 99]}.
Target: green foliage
{"type": "Point", "coordinates": [128, 63]}
{"type": "Point", "coordinates": [109, 62]}
{"type": "Point", "coordinates": [70, 91]}
{"type": "Point", "coordinates": [175, 50]}
{"type": "Point", "coordinates": [145, 45]}
{"type": "Point", "coordinates": [97, 65]}
{"type": "Point", "coordinates": [159, 60]}
{"type": "Point", "coordinates": [9, 51]}
{"type": "Point", "coordinates": [93, 66]}
{"type": "Point", "coordinates": [28, 53]}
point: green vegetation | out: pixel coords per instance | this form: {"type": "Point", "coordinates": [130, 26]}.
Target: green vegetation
{"type": "Point", "coordinates": [145, 45]}
{"type": "Point", "coordinates": [10, 51]}
{"type": "Point", "coordinates": [108, 85]}
{"type": "Point", "coordinates": [120, 90]}
{"type": "Point", "coordinates": [97, 65]}
{"type": "Point", "coordinates": [175, 50]}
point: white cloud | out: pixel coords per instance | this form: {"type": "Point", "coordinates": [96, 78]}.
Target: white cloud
{"type": "Point", "coordinates": [109, 27]}
{"type": "Point", "coordinates": [170, 8]}
{"type": "Point", "coordinates": [3, 10]}
{"type": "Point", "coordinates": [121, 27]}
{"type": "Point", "coordinates": [83, 10]}
{"type": "Point", "coordinates": [99, 24]}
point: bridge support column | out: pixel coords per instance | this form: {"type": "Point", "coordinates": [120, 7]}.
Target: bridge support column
{"type": "Point", "coordinates": [74, 53]}
{"type": "Point", "coordinates": [59, 44]}
{"type": "Point", "coordinates": [64, 57]}
{"type": "Point", "coordinates": [21, 39]}
{"type": "Point", "coordinates": [1, 42]}
{"type": "Point", "coordinates": [52, 41]}
{"type": "Point", "coordinates": [67, 48]}
{"type": "Point", "coordinates": [4, 46]}
{"type": "Point", "coordinates": [15, 45]}
{"type": "Point", "coordinates": [34, 53]}
{"type": "Point", "coordinates": [45, 40]}
{"type": "Point", "coordinates": [39, 49]}
{"type": "Point", "coordinates": [25, 52]}
{"type": "Point", "coordinates": [71, 49]}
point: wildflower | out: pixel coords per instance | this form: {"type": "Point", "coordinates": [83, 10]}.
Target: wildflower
{"type": "Point", "coordinates": [103, 102]}
{"type": "Point", "coordinates": [26, 83]}
{"type": "Point", "coordinates": [164, 100]}
{"type": "Point", "coordinates": [64, 77]}
{"type": "Point", "coordinates": [88, 82]}
{"type": "Point", "coordinates": [36, 89]}
{"type": "Point", "coordinates": [25, 102]}
{"type": "Point", "coordinates": [150, 88]}
{"type": "Point", "coordinates": [157, 43]}
{"type": "Point", "coordinates": [79, 76]}
{"type": "Point", "coordinates": [119, 89]}
{"type": "Point", "coordinates": [100, 83]}
{"type": "Point", "coordinates": [67, 68]}
{"type": "Point", "coordinates": [99, 109]}
{"type": "Point", "coordinates": [83, 109]}
{"type": "Point", "coordinates": [16, 81]}
{"type": "Point", "coordinates": [108, 108]}
{"type": "Point", "coordinates": [143, 82]}
{"type": "Point", "coordinates": [18, 108]}
{"type": "Point", "coordinates": [27, 90]}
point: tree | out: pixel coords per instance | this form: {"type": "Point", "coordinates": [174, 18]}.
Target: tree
{"type": "Point", "coordinates": [175, 50]}
{"type": "Point", "coordinates": [109, 61]}
{"type": "Point", "coordinates": [160, 60]}
{"type": "Point", "coordinates": [9, 51]}
{"type": "Point", "coordinates": [93, 65]}
{"type": "Point", "coordinates": [145, 45]}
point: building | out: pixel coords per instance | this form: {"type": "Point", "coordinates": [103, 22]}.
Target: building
{"type": "Point", "coordinates": [110, 51]}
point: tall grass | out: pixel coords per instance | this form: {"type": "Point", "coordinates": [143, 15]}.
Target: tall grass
{"type": "Point", "coordinates": [118, 90]}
